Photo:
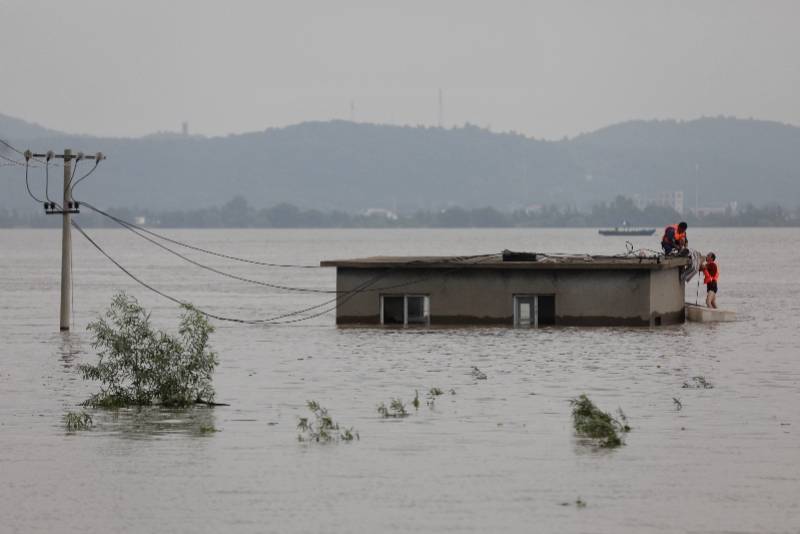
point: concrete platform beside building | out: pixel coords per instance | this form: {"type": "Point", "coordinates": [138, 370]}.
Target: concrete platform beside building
{"type": "Point", "coordinates": [701, 314]}
{"type": "Point", "coordinates": [510, 289]}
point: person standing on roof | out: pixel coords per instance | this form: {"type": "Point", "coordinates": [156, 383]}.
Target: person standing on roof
{"type": "Point", "coordinates": [674, 239]}
{"type": "Point", "coordinates": [710, 270]}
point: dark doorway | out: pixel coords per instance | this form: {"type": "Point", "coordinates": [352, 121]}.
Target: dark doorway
{"type": "Point", "coordinates": [547, 310]}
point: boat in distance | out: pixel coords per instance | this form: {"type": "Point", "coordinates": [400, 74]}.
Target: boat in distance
{"type": "Point", "coordinates": [626, 230]}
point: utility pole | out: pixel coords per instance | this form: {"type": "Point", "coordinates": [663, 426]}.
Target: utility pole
{"type": "Point", "coordinates": [66, 245]}
{"type": "Point", "coordinates": [65, 210]}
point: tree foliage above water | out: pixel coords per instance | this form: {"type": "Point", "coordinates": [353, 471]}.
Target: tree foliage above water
{"type": "Point", "coordinates": [139, 365]}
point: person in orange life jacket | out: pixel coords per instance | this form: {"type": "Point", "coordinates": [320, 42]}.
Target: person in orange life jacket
{"type": "Point", "coordinates": [674, 239]}
{"type": "Point", "coordinates": [710, 270]}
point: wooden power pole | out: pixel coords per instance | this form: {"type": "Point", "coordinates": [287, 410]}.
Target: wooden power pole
{"type": "Point", "coordinates": [66, 209]}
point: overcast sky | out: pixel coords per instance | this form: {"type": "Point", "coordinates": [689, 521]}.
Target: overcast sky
{"type": "Point", "coordinates": [546, 69]}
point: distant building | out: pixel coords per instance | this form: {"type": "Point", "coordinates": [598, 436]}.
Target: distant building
{"type": "Point", "coordinates": [664, 199]}
{"type": "Point", "coordinates": [534, 209]}
{"type": "Point", "coordinates": [185, 128]}
{"type": "Point", "coordinates": [669, 199]}
{"type": "Point", "coordinates": [381, 212]}
{"type": "Point", "coordinates": [731, 208]}
{"type": "Point", "coordinates": [639, 201]}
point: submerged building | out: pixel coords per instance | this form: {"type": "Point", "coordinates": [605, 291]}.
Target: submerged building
{"type": "Point", "coordinates": [511, 289]}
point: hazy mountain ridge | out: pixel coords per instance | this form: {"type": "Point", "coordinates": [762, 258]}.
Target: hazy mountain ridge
{"type": "Point", "coordinates": [354, 166]}
{"type": "Point", "coordinates": [19, 129]}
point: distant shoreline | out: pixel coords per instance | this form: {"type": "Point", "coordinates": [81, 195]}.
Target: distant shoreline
{"type": "Point", "coordinates": [237, 213]}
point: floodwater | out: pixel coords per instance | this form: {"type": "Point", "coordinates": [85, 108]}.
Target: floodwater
{"type": "Point", "coordinates": [499, 455]}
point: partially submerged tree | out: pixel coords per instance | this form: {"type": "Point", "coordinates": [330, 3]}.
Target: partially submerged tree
{"type": "Point", "coordinates": [141, 366]}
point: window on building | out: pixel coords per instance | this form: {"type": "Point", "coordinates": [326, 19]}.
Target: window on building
{"type": "Point", "coordinates": [405, 309]}
{"type": "Point", "coordinates": [533, 311]}
{"type": "Point", "coordinates": [417, 312]}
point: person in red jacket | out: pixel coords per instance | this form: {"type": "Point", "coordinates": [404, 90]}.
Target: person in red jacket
{"type": "Point", "coordinates": [710, 270]}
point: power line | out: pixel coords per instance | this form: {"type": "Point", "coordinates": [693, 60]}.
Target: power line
{"type": "Point", "coordinates": [74, 170]}
{"type": "Point", "coordinates": [123, 222]}
{"type": "Point", "coordinates": [21, 153]}
{"type": "Point", "coordinates": [270, 320]}
{"type": "Point", "coordinates": [12, 161]}
{"type": "Point", "coordinates": [47, 180]}
{"type": "Point", "coordinates": [133, 229]}
{"type": "Point", "coordinates": [72, 187]}
{"type": "Point", "coordinates": [341, 298]}
{"type": "Point", "coordinates": [193, 247]}
{"type": "Point", "coordinates": [6, 143]}
{"type": "Point", "coordinates": [249, 280]}
{"type": "Point", "coordinates": [28, 187]}
{"type": "Point", "coordinates": [223, 273]}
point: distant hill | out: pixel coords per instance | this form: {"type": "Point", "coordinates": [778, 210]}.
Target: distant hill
{"type": "Point", "coordinates": [19, 129]}
{"type": "Point", "coordinates": [353, 166]}
{"type": "Point", "coordinates": [728, 159]}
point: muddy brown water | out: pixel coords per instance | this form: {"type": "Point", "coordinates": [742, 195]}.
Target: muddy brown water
{"type": "Point", "coordinates": [498, 455]}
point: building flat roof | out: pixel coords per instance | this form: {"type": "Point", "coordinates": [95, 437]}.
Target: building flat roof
{"type": "Point", "coordinates": [512, 260]}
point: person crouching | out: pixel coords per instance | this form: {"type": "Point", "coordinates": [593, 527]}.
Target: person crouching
{"type": "Point", "coordinates": [674, 240]}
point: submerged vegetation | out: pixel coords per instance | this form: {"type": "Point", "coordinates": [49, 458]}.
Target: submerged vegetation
{"type": "Point", "coordinates": [698, 382]}
{"type": "Point", "coordinates": [478, 374]}
{"type": "Point", "coordinates": [432, 394]}
{"type": "Point", "coordinates": [140, 366]}
{"type": "Point", "coordinates": [77, 421]}
{"type": "Point", "coordinates": [396, 409]}
{"type": "Point", "coordinates": [323, 429]}
{"type": "Point", "coordinates": [579, 503]}
{"type": "Point", "coordinates": [591, 422]}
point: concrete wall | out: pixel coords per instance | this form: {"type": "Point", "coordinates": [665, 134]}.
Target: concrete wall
{"type": "Point", "coordinates": [666, 297]}
{"type": "Point", "coordinates": [485, 296]}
